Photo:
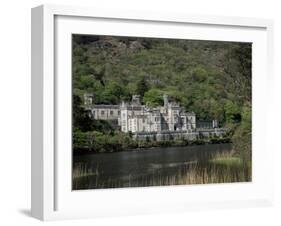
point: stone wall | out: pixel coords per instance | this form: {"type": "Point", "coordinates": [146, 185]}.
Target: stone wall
{"type": "Point", "coordinates": [178, 135]}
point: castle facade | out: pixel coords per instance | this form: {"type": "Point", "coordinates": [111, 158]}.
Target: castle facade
{"type": "Point", "coordinates": [136, 118]}
{"type": "Point", "coordinates": [141, 118]}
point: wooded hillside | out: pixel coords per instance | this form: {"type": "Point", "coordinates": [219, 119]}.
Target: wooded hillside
{"type": "Point", "coordinates": [212, 79]}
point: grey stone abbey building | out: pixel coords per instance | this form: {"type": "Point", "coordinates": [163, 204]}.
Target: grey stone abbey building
{"type": "Point", "coordinates": [141, 118]}
{"type": "Point", "coordinates": [169, 120]}
{"type": "Point", "coordinates": [135, 117]}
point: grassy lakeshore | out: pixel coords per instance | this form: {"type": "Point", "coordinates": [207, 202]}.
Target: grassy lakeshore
{"type": "Point", "coordinates": [223, 167]}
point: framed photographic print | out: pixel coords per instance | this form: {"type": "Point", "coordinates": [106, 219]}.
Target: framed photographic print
{"type": "Point", "coordinates": [136, 112]}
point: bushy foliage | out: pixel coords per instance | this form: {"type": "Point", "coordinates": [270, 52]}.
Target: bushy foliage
{"type": "Point", "coordinates": [212, 79]}
{"type": "Point", "coordinates": [243, 135]}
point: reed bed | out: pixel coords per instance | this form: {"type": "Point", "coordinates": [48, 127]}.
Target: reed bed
{"type": "Point", "coordinates": [219, 168]}
{"type": "Point", "coordinates": [83, 170]}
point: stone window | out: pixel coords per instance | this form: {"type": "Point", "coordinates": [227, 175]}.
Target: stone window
{"type": "Point", "coordinates": [102, 112]}
{"type": "Point", "coordinates": [111, 112]}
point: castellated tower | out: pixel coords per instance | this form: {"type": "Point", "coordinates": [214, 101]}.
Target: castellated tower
{"type": "Point", "coordinates": [124, 117]}
{"type": "Point", "coordinates": [166, 100]}
{"type": "Point", "coordinates": [88, 99]}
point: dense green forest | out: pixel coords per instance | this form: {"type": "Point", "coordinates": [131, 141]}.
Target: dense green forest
{"type": "Point", "coordinates": [212, 79]}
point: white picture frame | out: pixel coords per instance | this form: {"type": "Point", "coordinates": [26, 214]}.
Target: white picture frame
{"type": "Point", "coordinates": [51, 197]}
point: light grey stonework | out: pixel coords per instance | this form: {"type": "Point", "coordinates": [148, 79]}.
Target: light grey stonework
{"type": "Point", "coordinates": [141, 118]}
{"type": "Point", "coordinates": [170, 121]}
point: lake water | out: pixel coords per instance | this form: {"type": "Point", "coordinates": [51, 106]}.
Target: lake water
{"type": "Point", "coordinates": [140, 167]}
